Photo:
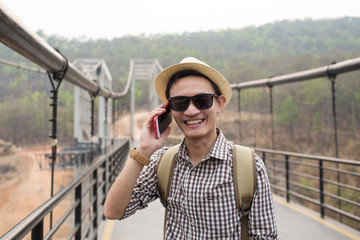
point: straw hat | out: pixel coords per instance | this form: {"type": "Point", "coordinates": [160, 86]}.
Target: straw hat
{"type": "Point", "coordinates": [191, 63]}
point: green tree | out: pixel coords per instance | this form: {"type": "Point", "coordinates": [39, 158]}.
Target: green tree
{"type": "Point", "coordinates": [287, 115]}
{"type": "Point", "coordinates": [310, 96]}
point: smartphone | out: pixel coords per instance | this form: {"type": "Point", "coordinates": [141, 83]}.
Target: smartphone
{"type": "Point", "coordinates": [162, 121]}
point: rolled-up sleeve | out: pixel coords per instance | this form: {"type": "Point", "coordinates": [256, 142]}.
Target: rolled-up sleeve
{"type": "Point", "coordinates": [262, 222]}
{"type": "Point", "coordinates": [146, 189]}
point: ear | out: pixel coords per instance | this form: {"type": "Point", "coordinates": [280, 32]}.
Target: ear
{"type": "Point", "coordinates": [221, 100]}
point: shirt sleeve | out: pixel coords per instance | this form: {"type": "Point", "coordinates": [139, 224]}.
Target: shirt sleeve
{"type": "Point", "coordinates": [262, 222]}
{"type": "Point", "coordinates": [146, 189]}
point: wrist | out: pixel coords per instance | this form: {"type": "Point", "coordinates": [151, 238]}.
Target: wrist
{"type": "Point", "coordinates": [140, 158]}
{"type": "Point", "coordinates": [145, 151]}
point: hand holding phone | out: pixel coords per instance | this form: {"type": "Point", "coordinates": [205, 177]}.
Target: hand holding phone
{"type": "Point", "coordinates": [162, 121]}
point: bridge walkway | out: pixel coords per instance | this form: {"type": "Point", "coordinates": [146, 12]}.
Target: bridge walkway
{"type": "Point", "coordinates": [294, 222]}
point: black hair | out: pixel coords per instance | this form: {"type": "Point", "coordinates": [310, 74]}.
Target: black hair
{"type": "Point", "coordinates": [186, 73]}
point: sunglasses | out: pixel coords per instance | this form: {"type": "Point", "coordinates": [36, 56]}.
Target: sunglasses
{"type": "Point", "coordinates": [201, 102]}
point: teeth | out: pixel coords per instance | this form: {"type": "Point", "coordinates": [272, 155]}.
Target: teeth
{"type": "Point", "coordinates": [193, 122]}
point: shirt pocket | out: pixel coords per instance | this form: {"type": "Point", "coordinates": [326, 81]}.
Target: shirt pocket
{"type": "Point", "coordinates": [225, 189]}
{"type": "Point", "coordinates": [222, 217]}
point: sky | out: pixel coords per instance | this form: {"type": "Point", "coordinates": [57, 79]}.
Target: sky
{"type": "Point", "coordinates": [93, 19]}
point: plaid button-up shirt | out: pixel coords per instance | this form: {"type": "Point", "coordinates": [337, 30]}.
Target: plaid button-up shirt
{"type": "Point", "coordinates": [201, 202]}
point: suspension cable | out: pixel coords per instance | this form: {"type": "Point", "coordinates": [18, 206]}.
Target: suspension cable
{"type": "Point", "coordinates": [55, 76]}
{"type": "Point", "coordinates": [332, 76]}
{"type": "Point", "coordinates": [270, 86]}
{"type": "Point", "coordinates": [19, 66]}
{"type": "Point", "coordinates": [239, 111]}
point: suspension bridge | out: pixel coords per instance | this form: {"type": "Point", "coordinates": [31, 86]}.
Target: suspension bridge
{"type": "Point", "coordinates": [306, 205]}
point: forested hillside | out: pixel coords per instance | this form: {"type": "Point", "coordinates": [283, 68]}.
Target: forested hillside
{"type": "Point", "coordinates": [240, 54]}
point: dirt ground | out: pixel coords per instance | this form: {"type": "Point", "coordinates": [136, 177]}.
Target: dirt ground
{"type": "Point", "coordinates": [24, 186]}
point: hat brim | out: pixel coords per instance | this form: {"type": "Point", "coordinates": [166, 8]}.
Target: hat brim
{"type": "Point", "coordinates": [163, 78]}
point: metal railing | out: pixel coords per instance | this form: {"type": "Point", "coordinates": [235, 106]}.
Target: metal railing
{"type": "Point", "coordinates": [17, 36]}
{"type": "Point", "coordinates": [325, 71]}
{"type": "Point", "coordinates": [84, 211]}
{"type": "Point", "coordinates": [332, 185]}
{"type": "Point", "coordinates": [313, 181]}
{"type": "Point", "coordinates": [330, 71]}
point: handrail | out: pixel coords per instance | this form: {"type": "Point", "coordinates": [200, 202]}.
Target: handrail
{"type": "Point", "coordinates": [17, 36]}
{"type": "Point", "coordinates": [309, 179]}
{"type": "Point", "coordinates": [332, 69]}
{"type": "Point", "coordinates": [309, 156]}
{"type": "Point", "coordinates": [110, 162]}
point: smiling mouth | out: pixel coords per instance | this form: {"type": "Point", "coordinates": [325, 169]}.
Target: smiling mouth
{"type": "Point", "coordinates": [193, 122]}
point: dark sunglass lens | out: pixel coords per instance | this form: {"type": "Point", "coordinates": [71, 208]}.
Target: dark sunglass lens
{"type": "Point", "coordinates": [179, 103]}
{"type": "Point", "coordinates": [203, 101]}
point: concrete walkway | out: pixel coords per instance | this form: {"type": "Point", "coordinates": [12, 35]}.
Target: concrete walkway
{"type": "Point", "coordinates": [298, 223]}
{"type": "Point", "coordinates": [144, 224]}
{"type": "Point", "coordinates": [294, 222]}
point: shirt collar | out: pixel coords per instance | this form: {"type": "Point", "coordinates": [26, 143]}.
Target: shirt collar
{"type": "Point", "coordinates": [220, 150]}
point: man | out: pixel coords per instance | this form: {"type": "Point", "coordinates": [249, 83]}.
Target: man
{"type": "Point", "coordinates": [201, 202]}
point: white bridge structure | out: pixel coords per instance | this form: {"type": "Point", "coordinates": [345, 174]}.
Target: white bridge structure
{"type": "Point", "coordinates": [97, 70]}
{"type": "Point", "coordinates": [143, 70]}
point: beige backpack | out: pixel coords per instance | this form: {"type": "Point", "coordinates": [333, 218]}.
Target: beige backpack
{"type": "Point", "coordinates": [244, 174]}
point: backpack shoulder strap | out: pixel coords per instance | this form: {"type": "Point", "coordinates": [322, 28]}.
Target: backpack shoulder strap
{"type": "Point", "coordinates": [164, 172]}
{"type": "Point", "coordinates": [244, 173]}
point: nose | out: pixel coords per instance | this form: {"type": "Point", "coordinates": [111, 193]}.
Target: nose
{"type": "Point", "coordinates": [192, 109]}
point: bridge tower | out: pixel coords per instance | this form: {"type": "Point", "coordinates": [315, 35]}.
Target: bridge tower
{"type": "Point", "coordinates": [143, 70]}
{"type": "Point", "coordinates": [97, 70]}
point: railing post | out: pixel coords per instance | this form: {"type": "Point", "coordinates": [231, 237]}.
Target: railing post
{"type": "Point", "coordinates": [95, 197]}
{"type": "Point", "coordinates": [321, 186]}
{"type": "Point", "coordinates": [264, 157]}
{"type": "Point", "coordinates": [113, 108]}
{"type": "Point", "coordinates": [110, 172]}
{"type": "Point", "coordinates": [239, 112]}
{"type": "Point", "coordinates": [106, 126]}
{"type": "Point", "coordinates": [105, 181]}
{"type": "Point", "coordinates": [38, 231]}
{"type": "Point", "coordinates": [272, 116]}
{"type": "Point", "coordinates": [78, 211]}
{"type": "Point", "coordinates": [287, 178]}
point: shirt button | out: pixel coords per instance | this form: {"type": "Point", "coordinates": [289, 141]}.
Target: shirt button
{"type": "Point", "coordinates": [193, 173]}
{"type": "Point", "coordinates": [193, 223]}
{"type": "Point", "coordinates": [189, 198]}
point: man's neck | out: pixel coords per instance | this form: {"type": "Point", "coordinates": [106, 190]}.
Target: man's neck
{"type": "Point", "coordinates": [198, 148]}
